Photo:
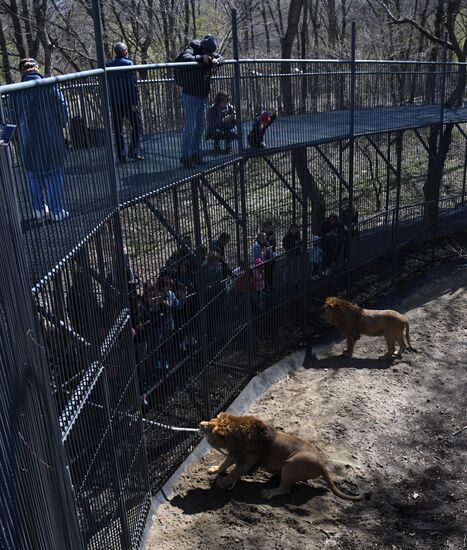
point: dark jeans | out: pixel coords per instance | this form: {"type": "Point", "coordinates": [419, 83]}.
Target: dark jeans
{"type": "Point", "coordinates": [121, 111]}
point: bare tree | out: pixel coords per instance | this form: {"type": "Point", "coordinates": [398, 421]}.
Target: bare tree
{"type": "Point", "coordinates": [452, 14]}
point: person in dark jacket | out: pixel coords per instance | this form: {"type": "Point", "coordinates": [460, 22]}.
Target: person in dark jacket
{"type": "Point", "coordinates": [124, 99]}
{"type": "Point", "coordinates": [221, 123]}
{"type": "Point", "coordinates": [332, 234]}
{"type": "Point", "coordinates": [196, 85]}
{"type": "Point", "coordinates": [292, 243]}
{"type": "Point", "coordinates": [42, 115]}
{"type": "Point", "coordinates": [260, 124]}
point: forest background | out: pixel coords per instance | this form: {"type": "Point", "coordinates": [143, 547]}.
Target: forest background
{"type": "Point", "coordinates": [60, 34]}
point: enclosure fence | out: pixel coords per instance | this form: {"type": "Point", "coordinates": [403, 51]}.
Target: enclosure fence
{"type": "Point", "coordinates": [140, 295]}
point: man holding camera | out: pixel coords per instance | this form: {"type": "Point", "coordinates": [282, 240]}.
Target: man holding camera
{"type": "Point", "coordinates": [196, 84]}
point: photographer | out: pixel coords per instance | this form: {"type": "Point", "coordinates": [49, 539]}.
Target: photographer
{"type": "Point", "coordinates": [221, 122]}
{"type": "Point", "coordinates": [196, 84]}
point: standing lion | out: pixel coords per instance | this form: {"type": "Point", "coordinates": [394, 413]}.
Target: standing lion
{"type": "Point", "coordinates": [353, 320]}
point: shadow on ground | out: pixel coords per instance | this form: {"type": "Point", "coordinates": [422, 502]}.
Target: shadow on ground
{"type": "Point", "coordinates": [246, 491]}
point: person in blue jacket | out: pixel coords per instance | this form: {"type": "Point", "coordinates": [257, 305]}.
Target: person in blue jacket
{"type": "Point", "coordinates": [42, 114]}
{"type": "Point", "coordinates": [124, 99]}
{"type": "Point", "coordinates": [196, 85]}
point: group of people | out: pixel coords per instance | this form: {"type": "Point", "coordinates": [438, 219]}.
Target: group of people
{"type": "Point", "coordinates": [218, 124]}
{"type": "Point", "coordinates": [42, 115]}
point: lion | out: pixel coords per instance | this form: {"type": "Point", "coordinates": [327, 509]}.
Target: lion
{"type": "Point", "coordinates": [252, 443]}
{"type": "Point", "coordinates": [353, 320]}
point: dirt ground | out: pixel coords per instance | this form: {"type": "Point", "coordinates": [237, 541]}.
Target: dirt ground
{"type": "Point", "coordinates": [388, 429]}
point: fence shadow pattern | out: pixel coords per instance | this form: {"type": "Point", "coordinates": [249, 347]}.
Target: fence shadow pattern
{"type": "Point", "coordinates": [158, 291]}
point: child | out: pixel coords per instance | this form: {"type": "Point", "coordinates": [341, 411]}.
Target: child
{"type": "Point", "coordinates": [260, 124]}
{"type": "Point", "coordinates": [316, 257]}
{"type": "Point", "coordinates": [221, 122]}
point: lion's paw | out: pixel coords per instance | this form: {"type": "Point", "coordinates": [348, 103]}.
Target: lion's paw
{"type": "Point", "coordinates": [213, 470]}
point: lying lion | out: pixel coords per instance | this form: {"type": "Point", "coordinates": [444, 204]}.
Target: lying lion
{"type": "Point", "coordinates": [251, 443]}
{"type": "Point", "coordinates": [353, 320]}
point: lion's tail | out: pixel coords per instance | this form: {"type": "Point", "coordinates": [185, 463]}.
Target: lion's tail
{"type": "Point", "coordinates": [407, 337]}
{"type": "Point", "coordinates": [335, 490]}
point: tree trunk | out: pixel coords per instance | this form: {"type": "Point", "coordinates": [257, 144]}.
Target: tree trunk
{"type": "Point", "coordinates": [311, 188]}
{"type": "Point", "coordinates": [437, 158]}
{"type": "Point", "coordinates": [299, 156]}
{"type": "Point", "coordinates": [6, 68]}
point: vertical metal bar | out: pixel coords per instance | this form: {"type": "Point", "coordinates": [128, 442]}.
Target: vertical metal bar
{"type": "Point", "coordinates": [294, 200]}
{"type": "Point", "coordinates": [237, 79]}
{"type": "Point", "coordinates": [202, 292]}
{"type": "Point", "coordinates": [246, 258]}
{"type": "Point", "coordinates": [465, 175]}
{"type": "Point", "coordinates": [304, 266]}
{"type": "Point", "coordinates": [348, 243]}
{"type": "Point", "coordinates": [237, 212]}
{"type": "Point", "coordinates": [388, 177]}
{"type": "Point", "coordinates": [109, 147]}
{"type": "Point", "coordinates": [443, 77]}
{"type": "Point", "coordinates": [399, 143]}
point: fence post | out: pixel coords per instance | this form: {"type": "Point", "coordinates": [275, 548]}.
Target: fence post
{"type": "Point", "coordinates": [203, 320]}
{"type": "Point", "coordinates": [237, 78]}
{"type": "Point", "coordinates": [241, 174]}
{"type": "Point", "coordinates": [348, 243]}
{"type": "Point", "coordinates": [305, 263]}
{"type": "Point", "coordinates": [464, 179]}
{"type": "Point", "coordinates": [37, 505]}
{"type": "Point", "coordinates": [399, 137]}
{"type": "Point", "coordinates": [96, 16]}
{"type": "Point", "coordinates": [443, 78]}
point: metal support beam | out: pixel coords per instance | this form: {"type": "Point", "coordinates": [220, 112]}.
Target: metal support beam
{"type": "Point", "coordinates": [459, 127]}
{"type": "Point", "coordinates": [334, 170]}
{"type": "Point", "coordinates": [167, 225]}
{"type": "Point", "coordinates": [381, 154]}
{"type": "Point", "coordinates": [219, 198]}
{"type": "Point", "coordinates": [423, 142]}
{"type": "Point", "coordinates": [283, 180]}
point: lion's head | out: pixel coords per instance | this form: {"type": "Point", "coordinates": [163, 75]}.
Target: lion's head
{"type": "Point", "coordinates": [228, 431]}
{"type": "Point", "coordinates": [338, 311]}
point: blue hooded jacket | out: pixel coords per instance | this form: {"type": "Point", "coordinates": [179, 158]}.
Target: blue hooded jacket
{"type": "Point", "coordinates": [42, 114]}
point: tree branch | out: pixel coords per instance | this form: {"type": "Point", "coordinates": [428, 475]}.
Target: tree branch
{"type": "Point", "coordinates": [408, 20]}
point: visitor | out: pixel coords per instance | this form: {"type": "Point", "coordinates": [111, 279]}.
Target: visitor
{"type": "Point", "coordinates": [221, 122]}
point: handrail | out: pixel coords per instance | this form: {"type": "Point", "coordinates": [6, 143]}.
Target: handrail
{"type": "Point", "coordinates": [7, 88]}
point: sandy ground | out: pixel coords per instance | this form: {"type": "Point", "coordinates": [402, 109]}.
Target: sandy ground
{"type": "Point", "coordinates": [385, 428]}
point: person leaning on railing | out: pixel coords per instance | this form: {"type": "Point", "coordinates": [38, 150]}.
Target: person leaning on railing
{"type": "Point", "coordinates": [42, 115]}
{"type": "Point", "coordinates": [196, 85]}
{"type": "Point", "coordinates": [124, 99]}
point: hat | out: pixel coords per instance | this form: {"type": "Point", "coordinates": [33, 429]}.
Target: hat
{"type": "Point", "coordinates": [208, 44]}
{"type": "Point", "coordinates": [265, 117]}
